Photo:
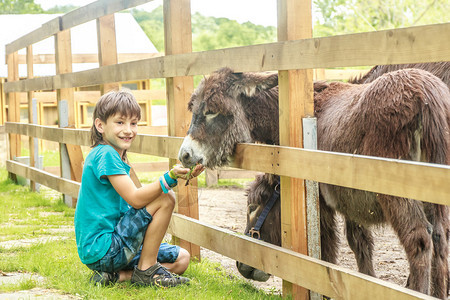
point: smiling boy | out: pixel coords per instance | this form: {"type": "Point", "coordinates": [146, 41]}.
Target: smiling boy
{"type": "Point", "coordinates": [119, 228]}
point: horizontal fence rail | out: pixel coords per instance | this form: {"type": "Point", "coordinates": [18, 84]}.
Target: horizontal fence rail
{"type": "Point", "coordinates": [416, 180]}
{"type": "Point", "coordinates": [316, 275]}
{"type": "Point", "coordinates": [60, 184]}
{"type": "Point", "coordinates": [322, 277]}
{"type": "Point", "coordinates": [76, 17]}
{"type": "Point", "coordinates": [417, 44]}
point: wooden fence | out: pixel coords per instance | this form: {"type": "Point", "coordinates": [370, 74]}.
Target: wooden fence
{"type": "Point", "coordinates": [294, 55]}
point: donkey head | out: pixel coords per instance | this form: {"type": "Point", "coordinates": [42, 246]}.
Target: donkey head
{"type": "Point", "coordinates": [260, 193]}
{"type": "Point", "coordinates": [221, 116]}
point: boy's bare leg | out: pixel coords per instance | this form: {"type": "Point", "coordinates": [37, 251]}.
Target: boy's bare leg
{"type": "Point", "coordinates": [161, 210]}
{"type": "Point", "coordinates": [125, 275]}
{"type": "Point", "coordinates": [181, 264]}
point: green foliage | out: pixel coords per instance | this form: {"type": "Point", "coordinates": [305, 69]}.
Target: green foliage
{"type": "Point", "coordinates": [213, 33]}
{"type": "Point", "coordinates": [349, 16]}
{"type": "Point", "coordinates": [61, 9]}
{"type": "Point", "coordinates": [153, 25]}
{"type": "Point", "coordinates": [208, 33]}
{"type": "Point", "coordinates": [19, 7]}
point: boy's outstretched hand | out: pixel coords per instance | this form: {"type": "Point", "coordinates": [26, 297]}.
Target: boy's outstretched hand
{"type": "Point", "coordinates": [185, 173]}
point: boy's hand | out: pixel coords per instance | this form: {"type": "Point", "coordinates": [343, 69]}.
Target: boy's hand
{"type": "Point", "coordinates": [185, 173]}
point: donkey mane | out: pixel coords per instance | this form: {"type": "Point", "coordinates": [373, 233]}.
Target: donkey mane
{"type": "Point", "coordinates": [439, 69]}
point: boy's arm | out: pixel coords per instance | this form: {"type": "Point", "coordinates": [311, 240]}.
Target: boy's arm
{"type": "Point", "coordinates": [140, 197]}
{"type": "Point", "coordinates": [137, 198]}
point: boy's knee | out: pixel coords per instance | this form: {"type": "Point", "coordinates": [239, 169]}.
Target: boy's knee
{"type": "Point", "coordinates": [167, 201]}
{"type": "Point", "coordinates": [171, 197]}
{"type": "Point", "coordinates": [183, 260]}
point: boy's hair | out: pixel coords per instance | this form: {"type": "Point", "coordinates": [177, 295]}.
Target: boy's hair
{"type": "Point", "coordinates": [114, 102]}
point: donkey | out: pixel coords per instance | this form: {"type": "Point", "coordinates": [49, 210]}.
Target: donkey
{"type": "Point", "coordinates": [402, 114]}
{"type": "Point", "coordinates": [440, 69]}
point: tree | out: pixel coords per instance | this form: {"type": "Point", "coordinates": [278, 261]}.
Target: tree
{"type": "Point", "coordinates": [208, 33]}
{"type": "Point", "coordinates": [349, 16]}
{"type": "Point", "coordinates": [153, 25]}
{"type": "Point", "coordinates": [19, 7]}
{"type": "Point", "coordinates": [61, 9]}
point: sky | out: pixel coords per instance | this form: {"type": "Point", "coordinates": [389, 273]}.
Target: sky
{"type": "Point", "coordinates": [260, 12]}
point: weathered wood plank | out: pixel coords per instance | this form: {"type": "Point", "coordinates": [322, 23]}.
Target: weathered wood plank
{"type": "Point", "coordinates": [316, 275]}
{"type": "Point", "coordinates": [83, 58]}
{"type": "Point", "coordinates": [46, 30]}
{"type": "Point", "coordinates": [12, 100]}
{"type": "Point", "coordinates": [421, 181]}
{"type": "Point", "coordinates": [76, 17]}
{"type": "Point", "coordinates": [406, 45]}
{"type": "Point", "coordinates": [93, 96]}
{"type": "Point", "coordinates": [178, 39]}
{"type": "Point", "coordinates": [32, 111]}
{"type": "Point", "coordinates": [295, 102]}
{"type": "Point", "coordinates": [62, 185]}
{"type": "Point", "coordinates": [107, 47]}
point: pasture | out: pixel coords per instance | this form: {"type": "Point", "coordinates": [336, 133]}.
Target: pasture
{"type": "Point", "coordinates": [39, 257]}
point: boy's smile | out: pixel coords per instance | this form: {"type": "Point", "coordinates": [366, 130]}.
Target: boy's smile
{"type": "Point", "coordinates": [118, 131]}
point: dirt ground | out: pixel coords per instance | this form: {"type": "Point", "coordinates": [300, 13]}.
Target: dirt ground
{"type": "Point", "coordinates": [228, 206]}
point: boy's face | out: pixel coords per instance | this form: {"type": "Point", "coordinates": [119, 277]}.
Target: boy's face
{"type": "Point", "coordinates": [118, 131]}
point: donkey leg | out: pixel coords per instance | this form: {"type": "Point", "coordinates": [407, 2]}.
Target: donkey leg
{"type": "Point", "coordinates": [408, 220]}
{"type": "Point", "coordinates": [439, 218]}
{"type": "Point", "coordinates": [361, 242]}
{"type": "Point", "coordinates": [328, 232]}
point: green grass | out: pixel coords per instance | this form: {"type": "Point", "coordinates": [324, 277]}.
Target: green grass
{"type": "Point", "coordinates": [27, 215]}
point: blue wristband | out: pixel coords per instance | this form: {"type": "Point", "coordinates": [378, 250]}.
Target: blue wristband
{"type": "Point", "coordinates": [170, 181]}
{"type": "Point", "coordinates": [164, 189]}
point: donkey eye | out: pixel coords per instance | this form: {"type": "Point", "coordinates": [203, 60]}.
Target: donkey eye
{"type": "Point", "coordinates": [251, 208]}
{"type": "Point", "coordinates": [210, 115]}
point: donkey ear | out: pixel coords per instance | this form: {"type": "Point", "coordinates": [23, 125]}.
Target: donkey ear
{"type": "Point", "coordinates": [250, 84]}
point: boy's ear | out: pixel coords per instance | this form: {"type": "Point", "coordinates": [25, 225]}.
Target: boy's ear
{"type": "Point", "coordinates": [99, 125]}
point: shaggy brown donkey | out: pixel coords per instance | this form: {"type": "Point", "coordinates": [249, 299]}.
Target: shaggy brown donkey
{"type": "Point", "coordinates": [402, 114]}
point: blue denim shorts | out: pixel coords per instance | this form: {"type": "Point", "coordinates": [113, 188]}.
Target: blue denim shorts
{"type": "Point", "coordinates": [126, 244]}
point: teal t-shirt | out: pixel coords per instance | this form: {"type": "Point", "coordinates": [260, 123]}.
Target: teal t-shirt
{"type": "Point", "coordinates": [99, 206]}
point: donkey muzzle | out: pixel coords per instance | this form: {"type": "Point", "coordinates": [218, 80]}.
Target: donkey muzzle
{"type": "Point", "coordinates": [251, 273]}
{"type": "Point", "coordinates": [190, 153]}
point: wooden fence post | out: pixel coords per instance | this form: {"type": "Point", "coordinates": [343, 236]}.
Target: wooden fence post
{"type": "Point", "coordinates": [178, 39]}
{"type": "Point", "coordinates": [107, 47]}
{"type": "Point", "coordinates": [295, 101]}
{"type": "Point", "coordinates": [31, 114]}
{"type": "Point", "coordinates": [35, 143]}
{"type": "Point", "coordinates": [312, 197]}
{"type": "Point", "coordinates": [13, 102]}
{"type": "Point", "coordinates": [66, 109]}
{"type": "Point", "coordinates": [2, 103]}
{"type": "Point", "coordinates": [211, 177]}
{"type": "Point", "coordinates": [63, 117]}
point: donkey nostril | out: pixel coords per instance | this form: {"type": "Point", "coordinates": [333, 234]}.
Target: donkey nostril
{"type": "Point", "coordinates": [186, 156]}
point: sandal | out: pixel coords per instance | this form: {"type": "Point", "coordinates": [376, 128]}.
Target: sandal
{"type": "Point", "coordinates": [104, 278]}
{"type": "Point", "coordinates": [157, 275]}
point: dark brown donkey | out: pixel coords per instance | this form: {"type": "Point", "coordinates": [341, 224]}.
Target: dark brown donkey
{"type": "Point", "coordinates": [402, 114]}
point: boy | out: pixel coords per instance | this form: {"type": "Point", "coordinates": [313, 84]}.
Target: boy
{"type": "Point", "coordinates": [119, 228]}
